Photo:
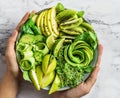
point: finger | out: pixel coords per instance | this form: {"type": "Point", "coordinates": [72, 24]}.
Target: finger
{"type": "Point", "coordinates": [34, 11]}
{"type": "Point", "coordinates": [92, 78]}
{"type": "Point", "coordinates": [24, 19]}
{"type": "Point", "coordinates": [100, 48]}
{"type": "Point", "coordinates": [11, 41]}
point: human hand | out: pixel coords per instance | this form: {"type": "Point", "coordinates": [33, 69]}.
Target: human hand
{"type": "Point", "coordinates": [10, 51]}
{"type": "Point", "coordinates": [85, 87]}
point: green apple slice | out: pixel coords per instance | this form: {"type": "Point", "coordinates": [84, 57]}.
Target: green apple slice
{"type": "Point", "coordinates": [47, 79]}
{"type": "Point", "coordinates": [39, 74]}
{"type": "Point", "coordinates": [51, 66]}
{"type": "Point", "coordinates": [55, 85]}
{"type": "Point", "coordinates": [45, 63]}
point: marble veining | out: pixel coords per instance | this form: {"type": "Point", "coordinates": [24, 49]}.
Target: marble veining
{"type": "Point", "coordinates": [104, 15]}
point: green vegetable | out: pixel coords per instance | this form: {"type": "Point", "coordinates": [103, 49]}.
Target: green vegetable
{"type": "Point", "coordinates": [59, 8]}
{"type": "Point", "coordinates": [34, 79]}
{"type": "Point", "coordinates": [80, 14]}
{"type": "Point", "coordinates": [27, 64]}
{"type": "Point", "coordinates": [89, 37]}
{"type": "Point", "coordinates": [30, 28]}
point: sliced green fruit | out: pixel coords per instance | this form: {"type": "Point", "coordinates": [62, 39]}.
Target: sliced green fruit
{"type": "Point", "coordinates": [34, 18]}
{"type": "Point", "coordinates": [38, 20]}
{"type": "Point", "coordinates": [42, 25]}
{"type": "Point", "coordinates": [45, 63]}
{"type": "Point", "coordinates": [34, 79]}
{"type": "Point", "coordinates": [65, 15]}
{"type": "Point", "coordinates": [50, 41]}
{"type": "Point", "coordinates": [51, 66]}
{"type": "Point", "coordinates": [27, 38]}
{"type": "Point", "coordinates": [53, 21]}
{"type": "Point", "coordinates": [39, 74]}
{"type": "Point", "coordinates": [49, 22]}
{"type": "Point", "coordinates": [45, 23]}
{"type": "Point", "coordinates": [71, 24]}
{"type": "Point", "coordinates": [78, 29]}
{"type": "Point", "coordinates": [58, 44]}
{"type": "Point", "coordinates": [87, 26]}
{"type": "Point", "coordinates": [47, 79]}
{"type": "Point", "coordinates": [71, 32]}
{"type": "Point", "coordinates": [55, 85]}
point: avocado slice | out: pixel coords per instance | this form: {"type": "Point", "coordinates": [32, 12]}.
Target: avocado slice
{"type": "Point", "coordinates": [27, 38]}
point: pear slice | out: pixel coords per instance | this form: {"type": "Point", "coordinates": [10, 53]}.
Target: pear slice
{"type": "Point", "coordinates": [47, 79]}
{"type": "Point", "coordinates": [34, 18]}
{"type": "Point", "coordinates": [46, 23]}
{"type": "Point", "coordinates": [38, 20]}
{"type": "Point", "coordinates": [34, 79]}
{"type": "Point", "coordinates": [51, 66]}
{"type": "Point", "coordinates": [42, 19]}
{"type": "Point", "coordinates": [39, 74]}
{"type": "Point", "coordinates": [53, 21]}
{"type": "Point", "coordinates": [45, 63]}
{"type": "Point", "coordinates": [55, 85]}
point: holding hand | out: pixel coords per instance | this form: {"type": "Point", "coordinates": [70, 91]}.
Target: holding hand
{"type": "Point", "coordinates": [9, 83]}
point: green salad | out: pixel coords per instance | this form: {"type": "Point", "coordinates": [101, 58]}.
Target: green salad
{"type": "Point", "coordinates": [55, 48]}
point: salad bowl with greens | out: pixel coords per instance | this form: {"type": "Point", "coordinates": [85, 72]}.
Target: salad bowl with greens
{"type": "Point", "coordinates": [56, 49]}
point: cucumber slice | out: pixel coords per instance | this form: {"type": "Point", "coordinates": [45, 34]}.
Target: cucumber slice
{"type": "Point", "coordinates": [57, 46]}
{"type": "Point", "coordinates": [39, 38]}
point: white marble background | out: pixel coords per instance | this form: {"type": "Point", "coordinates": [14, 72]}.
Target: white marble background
{"type": "Point", "coordinates": [105, 18]}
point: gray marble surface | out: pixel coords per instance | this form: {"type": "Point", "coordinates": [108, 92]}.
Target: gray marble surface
{"type": "Point", "coordinates": [104, 15]}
